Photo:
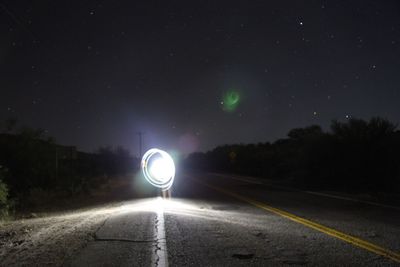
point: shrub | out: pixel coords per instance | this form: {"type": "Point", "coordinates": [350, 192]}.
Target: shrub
{"type": "Point", "coordinates": [355, 156]}
{"type": "Point", "coordinates": [38, 197]}
{"type": "Point", "coordinates": [3, 194]}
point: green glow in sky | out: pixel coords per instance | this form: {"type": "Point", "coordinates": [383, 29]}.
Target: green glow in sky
{"type": "Point", "coordinates": [230, 101]}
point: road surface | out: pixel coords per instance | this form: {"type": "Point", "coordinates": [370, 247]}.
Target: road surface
{"type": "Point", "coordinates": [220, 220]}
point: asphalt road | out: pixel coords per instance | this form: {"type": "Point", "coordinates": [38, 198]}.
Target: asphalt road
{"type": "Point", "coordinates": [214, 220]}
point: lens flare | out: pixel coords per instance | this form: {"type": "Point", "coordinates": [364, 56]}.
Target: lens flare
{"type": "Point", "coordinates": [158, 168]}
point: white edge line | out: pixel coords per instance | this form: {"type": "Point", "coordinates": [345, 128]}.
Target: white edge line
{"type": "Point", "coordinates": [238, 178]}
{"type": "Point", "coordinates": [352, 199]}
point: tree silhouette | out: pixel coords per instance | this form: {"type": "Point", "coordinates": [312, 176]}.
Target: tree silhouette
{"type": "Point", "coordinates": [356, 155]}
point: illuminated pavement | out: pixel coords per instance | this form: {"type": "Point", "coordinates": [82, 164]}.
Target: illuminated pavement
{"type": "Point", "coordinates": [203, 227]}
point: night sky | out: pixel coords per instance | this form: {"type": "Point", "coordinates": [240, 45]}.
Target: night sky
{"type": "Point", "coordinates": [194, 76]}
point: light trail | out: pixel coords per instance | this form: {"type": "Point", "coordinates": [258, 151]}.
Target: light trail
{"type": "Point", "coordinates": [158, 168]}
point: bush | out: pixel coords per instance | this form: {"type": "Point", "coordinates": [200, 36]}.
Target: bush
{"type": "Point", "coordinates": [37, 197]}
{"type": "Point", "coordinates": [4, 205]}
{"type": "Point", "coordinates": [354, 156]}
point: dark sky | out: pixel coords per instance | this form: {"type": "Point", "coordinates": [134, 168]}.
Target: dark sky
{"type": "Point", "coordinates": [96, 72]}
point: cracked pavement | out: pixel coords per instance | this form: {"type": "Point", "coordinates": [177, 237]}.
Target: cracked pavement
{"type": "Point", "coordinates": [199, 227]}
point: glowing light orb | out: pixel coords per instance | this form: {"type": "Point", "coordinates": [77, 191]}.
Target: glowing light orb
{"type": "Point", "coordinates": [231, 100]}
{"type": "Point", "coordinates": [158, 168]}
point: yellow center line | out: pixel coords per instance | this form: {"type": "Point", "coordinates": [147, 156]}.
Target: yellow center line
{"type": "Point", "coordinates": [316, 226]}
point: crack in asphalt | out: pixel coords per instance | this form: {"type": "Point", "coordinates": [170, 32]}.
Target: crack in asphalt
{"type": "Point", "coordinates": [157, 244]}
{"type": "Point", "coordinates": [125, 240]}
{"type": "Point", "coordinates": [160, 257]}
{"type": "Point", "coordinates": [95, 237]}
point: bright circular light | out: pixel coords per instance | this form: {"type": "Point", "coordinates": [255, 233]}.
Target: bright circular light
{"type": "Point", "coordinates": [158, 168]}
{"type": "Point", "coordinates": [162, 169]}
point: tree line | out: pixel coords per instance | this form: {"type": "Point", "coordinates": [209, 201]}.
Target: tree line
{"type": "Point", "coordinates": [30, 162]}
{"type": "Point", "coordinates": [355, 155]}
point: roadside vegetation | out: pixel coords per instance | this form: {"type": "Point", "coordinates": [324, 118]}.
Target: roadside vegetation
{"type": "Point", "coordinates": [35, 170]}
{"type": "Point", "coordinates": [354, 156]}
{"type": "Point", "coordinates": [4, 203]}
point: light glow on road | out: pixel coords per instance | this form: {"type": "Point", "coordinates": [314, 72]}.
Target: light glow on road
{"type": "Point", "coordinates": [158, 168]}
